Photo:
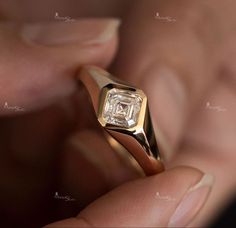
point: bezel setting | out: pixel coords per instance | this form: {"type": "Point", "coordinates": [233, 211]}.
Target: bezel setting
{"type": "Point", "coordinates": [121, 107]}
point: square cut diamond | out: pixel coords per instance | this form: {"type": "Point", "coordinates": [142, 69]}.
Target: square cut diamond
{"type": "Point", "coordinates": [122, 108]}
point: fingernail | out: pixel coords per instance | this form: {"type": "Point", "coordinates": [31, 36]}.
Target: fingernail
{"type": "Point", "coordinates": [192, 202]}
{"type": "Point", "coordinates": [82, 31]}
{"type": "Point", "coordinates": [168, 102]}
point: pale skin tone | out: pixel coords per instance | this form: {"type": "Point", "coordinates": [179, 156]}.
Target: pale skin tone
{"type": "Point", "coordinates": [197, 50]}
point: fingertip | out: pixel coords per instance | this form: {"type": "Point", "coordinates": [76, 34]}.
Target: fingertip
{"type": "Point", "coordinates": [41, 69]}
{"type": "Point", "coordinates": [172, 198]}
{"type": "Point", "coordinates": [69, 223]}
{"type": "Point", "coordinates": [145, 202]}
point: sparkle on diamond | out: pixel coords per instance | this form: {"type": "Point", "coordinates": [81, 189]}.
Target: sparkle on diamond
{"type": "Point", "coordinates": [122, 108]}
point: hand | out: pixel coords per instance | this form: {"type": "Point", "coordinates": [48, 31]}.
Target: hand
{"type": "Point", "coordinates": [38, 97]}
{"type": "Point", "coordinates": [186, 66]}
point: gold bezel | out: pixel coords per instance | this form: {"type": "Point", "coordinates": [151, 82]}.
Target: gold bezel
{"type": "Point", "coordinates": [103, 95]}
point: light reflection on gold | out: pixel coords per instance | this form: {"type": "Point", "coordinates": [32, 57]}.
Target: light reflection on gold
{"type": "Point", "coordinates": [124, 155]}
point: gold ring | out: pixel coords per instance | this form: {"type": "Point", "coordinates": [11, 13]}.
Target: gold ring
{"type": "Point", "coordinates": [122, 111]}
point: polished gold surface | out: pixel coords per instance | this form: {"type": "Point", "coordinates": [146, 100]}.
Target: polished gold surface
{"type": "Point", "coordinates": [129, 123]}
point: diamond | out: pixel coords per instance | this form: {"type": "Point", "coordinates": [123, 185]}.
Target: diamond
{"type": "Point", "coordinates": [122, 108]}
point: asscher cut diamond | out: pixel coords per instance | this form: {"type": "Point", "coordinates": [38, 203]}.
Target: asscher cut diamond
{"type": "Point", "coordinates": [122, 108]}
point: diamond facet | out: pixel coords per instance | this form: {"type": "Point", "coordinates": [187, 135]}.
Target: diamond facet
{"type": "Point", "coordinates": [122, 108]}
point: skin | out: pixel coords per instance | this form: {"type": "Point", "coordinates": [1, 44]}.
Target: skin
{"type": "Point", "coordinates": [203, 65]}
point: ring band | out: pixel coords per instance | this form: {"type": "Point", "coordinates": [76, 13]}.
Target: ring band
{"type": "Point", "coordinates": [122, 111]}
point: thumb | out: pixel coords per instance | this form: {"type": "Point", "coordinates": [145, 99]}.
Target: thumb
{"type": "Point", "coordinates": [38, 60]}
{"type": "Point", "coordinates": [172, 198]}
